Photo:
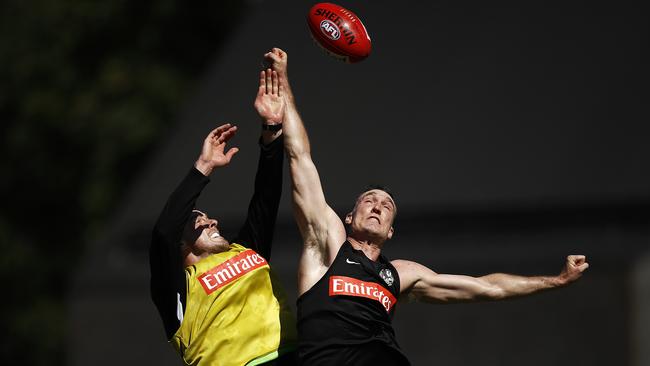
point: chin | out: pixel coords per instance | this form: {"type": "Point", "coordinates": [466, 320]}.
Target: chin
{"type": "Point", "coordinates": [374, 234]}
{"type": "Point", "coordinates": [213, 246]}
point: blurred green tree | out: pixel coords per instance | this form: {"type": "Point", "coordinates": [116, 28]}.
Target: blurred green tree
{"type": "Point", "coordinates": [86, 89]}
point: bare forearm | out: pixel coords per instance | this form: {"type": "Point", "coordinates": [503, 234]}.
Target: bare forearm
{"type": "Point", "coordinates": [506, 285]}
{"type": "Point", "coordinates": [311, 210]}
{"type": "Point", "coordinates": [309, 201]}
{"type": "Point", "coordinates": [288, 92]}
{"type": "Point", "coordinates": [423, 284]}
{"type": "Point", "coordinates": [296, 140]}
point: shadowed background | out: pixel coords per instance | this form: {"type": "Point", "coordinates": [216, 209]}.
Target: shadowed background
{"type": "Point", "coordinates": [512, 134]}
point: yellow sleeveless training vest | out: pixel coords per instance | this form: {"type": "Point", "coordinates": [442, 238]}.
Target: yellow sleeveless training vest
{"type": "Point", "coordinates": [236, 313]}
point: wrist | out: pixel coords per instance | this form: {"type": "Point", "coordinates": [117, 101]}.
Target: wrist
{"type": "Point", "coordinates": [204, 167]}
{"type": "Point", "coordinates": [560, 280]}
{"type": "Point", "coordinates": [271, 126]}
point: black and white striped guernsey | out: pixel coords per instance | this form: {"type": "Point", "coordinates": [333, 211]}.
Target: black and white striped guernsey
{"type": "Point", "coordinates": [349, 311]}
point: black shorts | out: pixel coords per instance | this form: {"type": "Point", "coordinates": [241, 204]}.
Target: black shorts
{"type": "Point", "coordinates": [368, 354]}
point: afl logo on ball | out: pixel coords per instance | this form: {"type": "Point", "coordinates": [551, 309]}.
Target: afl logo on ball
{"type": "Point", "coordinates": [387, 276]}
{"type": "Point", "coordinates": [330, 29]}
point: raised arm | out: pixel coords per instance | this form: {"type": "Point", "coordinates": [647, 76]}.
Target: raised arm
{"type": "Point", "coordinates": [166, 263]}
{"type": "Point", "coordinates": [422, 284]}
{"type": "Point", "coordinates": [257, 231]}
{"type": "Point", "coordinates": [321, 229]}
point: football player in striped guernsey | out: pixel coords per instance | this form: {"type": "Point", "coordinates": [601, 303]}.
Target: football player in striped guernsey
{"type": "Point", "coordinates": [347, 288]}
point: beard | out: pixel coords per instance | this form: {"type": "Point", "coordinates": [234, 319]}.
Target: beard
{"type": "Point", "coordinates": [205, 244]}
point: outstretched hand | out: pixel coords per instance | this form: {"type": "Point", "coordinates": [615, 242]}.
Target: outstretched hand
{"type": "Point", "coordinates": [213, 154]}
{"type": "Point", "coordinates": [574, 267]}
{"type": "Point", "coordinates": [269, 102]}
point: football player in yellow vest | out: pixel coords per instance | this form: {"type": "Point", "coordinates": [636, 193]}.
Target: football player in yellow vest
{"type": "Point", "coordinates": [219, 302]}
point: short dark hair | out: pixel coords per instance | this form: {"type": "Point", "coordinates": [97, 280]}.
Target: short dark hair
{"type": "Point", "coordinates": [370, 187]}
{"type": "Point", "coordinates": [380, 187]}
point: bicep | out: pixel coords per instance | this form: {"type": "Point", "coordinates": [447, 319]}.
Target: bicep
{"type": "Point", "coordinates": [321, 229]}
{"type": "Point", "coordinates": [307, 191]}
{"type": "Point", "coordinates": [316, 220]}
{"type": "Point", "coordinates": [423, 284]}
{"type": "Point", "coordinates": [319, 249]}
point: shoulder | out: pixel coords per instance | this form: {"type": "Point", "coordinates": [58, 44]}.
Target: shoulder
{"type": "Point", "coordinates": [408, 266]}
{"type": "Point", "coordinates": [410, 272]}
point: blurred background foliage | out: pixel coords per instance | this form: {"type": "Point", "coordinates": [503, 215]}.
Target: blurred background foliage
{"type": "Point", "coordinates": [87, 89]}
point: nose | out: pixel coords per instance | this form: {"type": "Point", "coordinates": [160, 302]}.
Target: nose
{"type": "Point", "coordinates": [213, 223]}
{"type": "Point", "coordinates": [376, 208]}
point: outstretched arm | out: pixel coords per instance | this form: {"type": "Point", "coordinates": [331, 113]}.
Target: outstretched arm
{"type": "Point", "coordinates": [166, 263]}
{"type": "Point", "coordinates": [321, 229]}
{"type": "Point", "coordinates": [257, 231]}
{"type": "Point", "coordinates": [422, 284]}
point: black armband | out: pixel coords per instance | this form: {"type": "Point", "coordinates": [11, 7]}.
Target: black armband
{"type": "Point", "coordinates": [272, 128]}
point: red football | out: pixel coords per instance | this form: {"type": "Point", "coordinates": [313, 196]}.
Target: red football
{"type": "Point", "coordinates": [339, 32]}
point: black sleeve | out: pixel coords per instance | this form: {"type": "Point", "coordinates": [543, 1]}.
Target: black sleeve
{"type": "Point", "coordinates": [257, 231]}
{"type": "Point", "coordinates": [167, 273]}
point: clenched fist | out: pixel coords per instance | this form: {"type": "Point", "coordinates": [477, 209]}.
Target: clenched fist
{"type": "Point", "coordinates": [575, 265]}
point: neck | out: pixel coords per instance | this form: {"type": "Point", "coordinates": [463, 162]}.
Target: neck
{"type": "Point", "coordinates": [191, 259]}
{"type": "Point", "coordinates": [370, 248]}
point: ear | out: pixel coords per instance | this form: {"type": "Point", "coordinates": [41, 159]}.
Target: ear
{"type": "Point", "coordinates": [390, 232]}
{"type": "Point", "coordinates": [348, 218]}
